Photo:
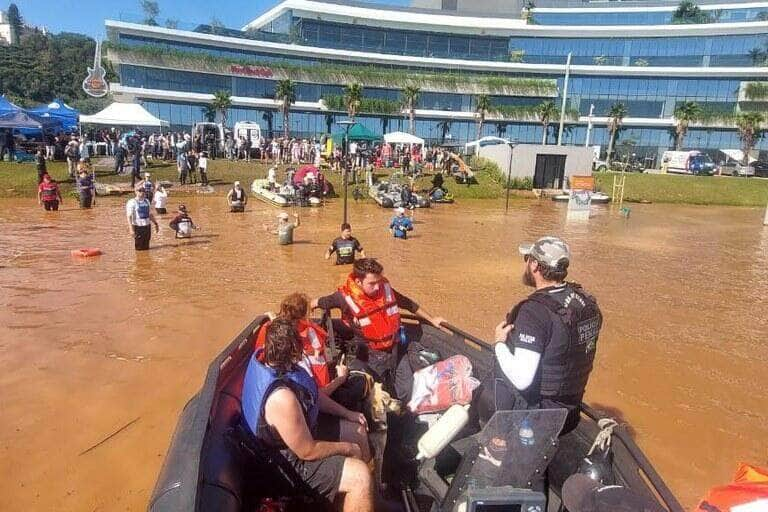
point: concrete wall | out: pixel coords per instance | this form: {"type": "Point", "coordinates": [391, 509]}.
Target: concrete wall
{"type": "Point", "coordinates": [578, 159]}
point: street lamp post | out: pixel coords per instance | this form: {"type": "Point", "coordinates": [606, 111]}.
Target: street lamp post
{"type": "Point", "coordinates": [511, 144]}
{"type": "Point", "coordinates": [346, 124]}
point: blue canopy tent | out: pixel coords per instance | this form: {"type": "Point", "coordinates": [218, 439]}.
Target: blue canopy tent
{"type": "Point", "coordinates": [7, 107]}
{"type": "Point", "coordinates": [19, 120]}
{"type": "Point", "coordinates": [57, 110]}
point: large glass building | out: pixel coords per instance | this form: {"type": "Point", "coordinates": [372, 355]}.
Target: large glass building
{"type": "Point", "coordinates": [630, 52]}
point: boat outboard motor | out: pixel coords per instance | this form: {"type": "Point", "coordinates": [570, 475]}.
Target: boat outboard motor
{"type": "Point", "coordinates": [598, 463]}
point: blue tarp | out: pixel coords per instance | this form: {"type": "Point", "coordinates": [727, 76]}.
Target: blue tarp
{"type": "Point", "coordinates": [6, 107]}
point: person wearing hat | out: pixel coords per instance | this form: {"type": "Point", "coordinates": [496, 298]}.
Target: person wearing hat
{"type": "Point", "coordinates": [400, 224]}
{"type": "Point", "coordinates": [285, 228]}
{"type": "Point", "coordinates": [583, 494]}
{"type": "Point", "coordinates": [237, 198]}
{"type": "Point", "coordinates": [182, 223]}
{"type": "Point", "coordinates": [85, 188]}
{"type": "Point", "coordinates": [546, 345]}
{"type": "Point", "coordinates": [140, 219]}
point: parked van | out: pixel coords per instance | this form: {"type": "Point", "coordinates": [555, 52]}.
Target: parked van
{"type": "Point", "coordinates": [687, 162]}
{"type": "Point", "coordinates": [248, 129]}
{"type": "Point", "coordinates": [204, 130]}
{"type": "Point", "coordinates": [731, 163]}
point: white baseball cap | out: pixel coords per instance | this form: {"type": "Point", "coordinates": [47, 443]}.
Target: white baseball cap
{"type": "Point", "coordinates": [282, 215]}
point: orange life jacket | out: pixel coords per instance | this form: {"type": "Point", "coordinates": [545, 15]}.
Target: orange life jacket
{"type": "Point", "coordinates": [748, 492]}
{"type": "Point", "coordinates": [377, 318]}
{"type": "Point", "coordinates": [313, 338]}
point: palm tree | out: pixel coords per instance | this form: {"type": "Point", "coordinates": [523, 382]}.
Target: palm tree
{"type": "Point", "coordinates": [222, 100]}
{"type": "Point", "coordinates": [285, 92]}
{"type": "Point", "coordinates": [615, 116]}
{"type": "Point", "coordinates": [353, 96]}
{"type": "Point", "coordinates": [269, 117]}
{"type": "Point", "coordinates": [482, 108]}
{"type": "Point", "coordinates": [329, 120]}
{"type": "Point", "coordinates": [685, 113]}
{"type": "Point", "coordinates": [209, 113]}
{"type": "Point", "coordinates": [749, 125]}
{"type": "Point", "coordinates": [410, 97]}
{"type": "Point", "coordinates": [757, 55]}
{"type": "Point", "coordinates": [445, 127]}
{"type": "Point", "coordinates": [546, 112]}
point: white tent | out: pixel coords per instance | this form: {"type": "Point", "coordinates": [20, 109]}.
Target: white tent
{"type": "Point", "coordinates": [402, 138]}
{"type": "Point", "coordinates": [486, 141]}
{"type": "Point", "coordinates": [123, 114]}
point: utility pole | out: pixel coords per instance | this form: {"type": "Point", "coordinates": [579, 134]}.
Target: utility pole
{"type": "Point", "coordinates": [565, 99]}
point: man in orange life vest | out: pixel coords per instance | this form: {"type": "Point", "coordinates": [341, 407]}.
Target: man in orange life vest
{"type": "Point", "coordinates": [371, 316]}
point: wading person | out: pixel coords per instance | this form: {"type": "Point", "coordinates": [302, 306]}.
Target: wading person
{"type": "Point", "coordinates": [285, 228]}
{"type": "Point", "coordinates": [281, 405]}
{"type": "Point", "coordinates": [161, 200]}
{"type": "Point", "coordinates": [182, 223]}
{"type": "Point", "coordinates": [49, 194]}
{"type": "Point", "coordinates": [400, 225]}
{"type": "Point", "coordinates": [148, 186]}
{"type": "Point", "coordinates": [345, 247]}
{"type": "Point", "coordinates": [370, 310]}
{"type": "Point", "coordinates": [140, 220]}
{"type": "Point", "coordinates": [237, 198]}
{"type": "Point", "coordinates": [42, 170]}
{"type": "Point", "coordinates": [546, 346]}
{"type": "Point", "coordinates": [85, 189]}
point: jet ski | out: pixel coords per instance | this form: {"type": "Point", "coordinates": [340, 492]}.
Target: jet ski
{"type": "Point", "coordinates": [208, 467]}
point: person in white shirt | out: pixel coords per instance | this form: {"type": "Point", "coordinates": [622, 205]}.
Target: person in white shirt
{"type": "Point", "coordinates": [161, 200]}
{"type": "Point", "coordinates": [140, 218]}
{"type": "Point", "coordinates": [202, 164]}
{"type": "Point", "coordinates": [272, 178]}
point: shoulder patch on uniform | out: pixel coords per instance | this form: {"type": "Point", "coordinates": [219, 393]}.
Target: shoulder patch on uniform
{"type": "Point", "coordinates": [527, 338]}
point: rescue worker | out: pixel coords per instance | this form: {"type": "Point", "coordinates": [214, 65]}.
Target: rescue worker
{"type": "Point", "coordinates": [149, 187]}
{"type": "Point", "coordinates": [237, 198]}
{"type": "Point", "coordinates": [140, 220]}
{"type": "Point", "coordinates": [49, 194]}
{"type": "Point", "coordinates": [85, 189]}
{"type": "Point", "coordinates": [182, 223]}
{"type": "Point", "coordinates": [546, 346]}
{"type": "Point", "coordinates": [281, 405]}
{"type": "Point", "coordinates": [345, 247]}
{"type": "Point", "coordinates": [400, 224]}
{"type": "Point", "coordinates": [371, 317]}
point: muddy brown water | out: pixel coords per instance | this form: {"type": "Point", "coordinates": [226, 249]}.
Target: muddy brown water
{"type": "Point", "coordinates": [87, 347]}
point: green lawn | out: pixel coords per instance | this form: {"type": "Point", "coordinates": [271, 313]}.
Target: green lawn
{"type": "Point", "coordinates": [20, 180]}
{"type": "Point", "coordinates": [704, 190]}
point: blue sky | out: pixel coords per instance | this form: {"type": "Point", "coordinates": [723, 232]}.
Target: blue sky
{"type": "Point", "coordinates": [87, 16]}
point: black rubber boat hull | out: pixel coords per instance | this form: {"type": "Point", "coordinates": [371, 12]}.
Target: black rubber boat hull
{"type": "Point", "coordinates": [199, 473]}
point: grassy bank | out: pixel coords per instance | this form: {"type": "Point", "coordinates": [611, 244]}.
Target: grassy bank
{"type": "Point", "coordinates": [20, 180]}
{"type": "Point", "coordinates": [703, 190]}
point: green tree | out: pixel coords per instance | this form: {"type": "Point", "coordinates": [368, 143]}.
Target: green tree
{"type": "Point", "coordinates": [410, 96]}
{"type": "Point", "coordinates": [758, 56]}
{"type": "Point", "coordinates": [615, 117]}
{"type": "Point", "coordinates": [482, 108]}
{"type": "Point", "coordinates": [750, 130]}
{"type": "Point", "coordinates": [151, 11]}
{"type": "Point", "coordinates": [685, 113]}
{"type": "Point", "coordinates": [285, 93]}
{"type": "Point", "coordinates": [217, 27]}
{"type": "Point", "coordinates": [688, 12]}
{"type": "Point", "coordinates": [222, 100]}
{"type": "Point", "coordinates": [16, 22]}
{"type": "Point", "coordinates": [445, 128]}
{"type": "Point", "coordinates": [546, 112]}
{"type": "Point", "coordinates": [172, 23]}
{"type": "Point", "coordinates": [209, 113]}
{"type": "Point", "coordinates": [353, 97]}
{"type": "Point", "coordinates": [269, 118]}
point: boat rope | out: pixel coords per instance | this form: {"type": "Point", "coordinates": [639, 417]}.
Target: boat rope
{"type": "Point", "coordinates": [603, 438]}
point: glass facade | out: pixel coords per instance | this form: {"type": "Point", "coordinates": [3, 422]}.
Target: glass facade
{"type": "Point", "coordinates": [649, 51]}
{"type": "Point", "coordinates": [734, 15]}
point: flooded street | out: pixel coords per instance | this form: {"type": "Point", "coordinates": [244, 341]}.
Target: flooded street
{"type": "Point", "coordinates": [88, 347]}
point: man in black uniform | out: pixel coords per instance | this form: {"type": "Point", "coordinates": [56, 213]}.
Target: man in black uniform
{"type": "Point", "coordinates": [546, 346]}
{"type": "Point", "coordinates": [345, 247]}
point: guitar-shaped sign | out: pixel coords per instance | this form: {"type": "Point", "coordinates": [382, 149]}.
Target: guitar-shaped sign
{"type": "Point", "coordinates": [95, 84]}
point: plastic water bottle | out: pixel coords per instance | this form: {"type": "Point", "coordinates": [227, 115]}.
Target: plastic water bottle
{"type": "Point", "coordinates": [403, 337]}
{"type": "Point", "coordinates": [526, 433]}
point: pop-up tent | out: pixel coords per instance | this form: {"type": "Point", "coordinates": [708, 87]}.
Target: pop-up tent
{"type": "Point", "coordinates": [59, 111]}
{"type": "Point", "coordinates": [402, 138]}
{"type": "Point", "coordinates": [7, 107]}
{"type": "Point", "coordinates": [19, 120]}
{"type": "Point", "coordinates": [123, 114]}
{"type": "Point", "coordinates": [356, 132]}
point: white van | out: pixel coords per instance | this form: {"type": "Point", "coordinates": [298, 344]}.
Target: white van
{"type": "Point", "coordinates": [202, 130]}
{"type": "Point", "coordinates": [687, 162]}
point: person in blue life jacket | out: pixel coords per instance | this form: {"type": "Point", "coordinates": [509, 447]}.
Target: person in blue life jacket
{"type": "Point", "coordinates": [149, 187]}
{"type": "Point", "coordinates": [400, 225]}
{"type": "Point", "coordinates": [140, 219]}
{"type": "Point", "coordinates": [283, 410]}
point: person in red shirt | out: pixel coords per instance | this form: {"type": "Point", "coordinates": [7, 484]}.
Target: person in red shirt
{"type": "Point", "coordinates": [49, 194]}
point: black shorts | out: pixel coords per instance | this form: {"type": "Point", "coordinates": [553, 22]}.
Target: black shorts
{"type": "Point", "coordinates": [161, 210]}
{"type": "Point", "coordinates": [51, 205]}
{"type": "Point", "coordinates": [322, 476]}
